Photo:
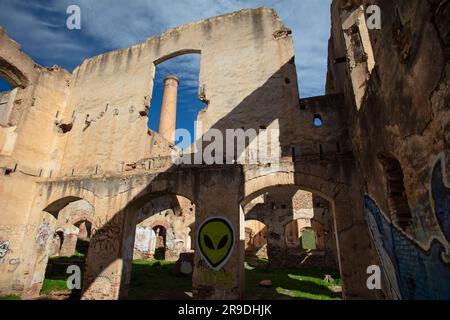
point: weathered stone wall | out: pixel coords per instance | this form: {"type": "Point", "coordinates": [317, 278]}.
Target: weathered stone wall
{"type": "Point", "coordinates": [255, 239]}
{"type": "Point", "coordinates": [84, 137]}
{"type": "Point", "coordinates": [400, 133]}
{"type": "Point", "coordinates": [177, 224]}
{"type": "Point", "coordinates": [285, 212]}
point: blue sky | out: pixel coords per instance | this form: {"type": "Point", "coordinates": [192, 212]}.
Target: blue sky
{"type": "Point", "coordinates": [39, 26]}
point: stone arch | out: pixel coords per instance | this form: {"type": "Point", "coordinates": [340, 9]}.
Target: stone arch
{"type": "Point", "coordinates": [175, 54]}
{"type": "Point", "coordinates": [131, 221]}
{"type": "Point", "coordinates": [57, 205]}
{"type": "Point", "coordinates": [68, 239]}
{"type": "Point", "coordinates": [308, 182]}
{"type": "Point", "coordinates": [13, 74]}
{"type": "Point", "coordinates": [170, 87]}
{"type": "Point", "coordinates": [352, 242]}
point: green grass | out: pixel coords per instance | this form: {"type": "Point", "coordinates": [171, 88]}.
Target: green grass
{"type": "Point", "coordinates": [304, 283]}
{"type": "Point", "coordinates": [10, 297]}
{"type": "Point", "coordinates": [50, 285]}
{"type": "Point", "coordinates": [156, 280]}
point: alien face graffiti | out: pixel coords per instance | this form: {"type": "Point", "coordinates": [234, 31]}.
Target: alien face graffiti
{"type": "Point", "coordinates": [216, 241]}
{"type": "Point", "coordinates": [4, 248]}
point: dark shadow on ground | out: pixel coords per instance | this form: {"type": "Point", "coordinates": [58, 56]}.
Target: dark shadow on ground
{"type": "Point", "coordinates": [156, 280]}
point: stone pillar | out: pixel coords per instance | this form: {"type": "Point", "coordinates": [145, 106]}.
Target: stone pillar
{"type": "Point", "coordinates": [276, 244]}
{"type": "Point", "coordinates": [104, 261]}
{"type": "Point", "coordinates": [228, 282]}
{"type": "Point", "coordinates": [83, 233]}
{"type": "Point", "coordinates": [168, 117]}
{"type": "Point", "coordinates": [69, 244]}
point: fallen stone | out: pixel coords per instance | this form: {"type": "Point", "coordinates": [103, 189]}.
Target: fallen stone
{"type": "Point", "coordinates": [336, 289]}
{"type": "Point", "coordinates": [266, 283]}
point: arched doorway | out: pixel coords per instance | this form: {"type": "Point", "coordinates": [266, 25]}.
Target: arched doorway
{"type": "Point", "coordinates": [159, 233]}
{"type": "Point", "coordinates": [162, 255]}
{"type": "Point", "coordinates": [67, 247]}
{"type": "Point", "coordinates": [294, 219]}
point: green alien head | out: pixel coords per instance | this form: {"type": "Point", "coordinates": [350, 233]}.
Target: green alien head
{"type": "Point", "coordinates": [215, 240]}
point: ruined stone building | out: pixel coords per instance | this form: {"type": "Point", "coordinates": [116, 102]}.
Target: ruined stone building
{"type": "Point", "coordinates": [77, 160]}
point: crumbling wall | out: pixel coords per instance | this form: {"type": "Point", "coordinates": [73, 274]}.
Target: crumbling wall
{"type": "Point", "coordinates": [285, 212]}
{"type": "Point", "coordinates": [99, 149]}
{"type": "Point", "coordinates": [400, 136]}
{"type": "Point", "coordinates": [111, 92]}
{"type": "Point", "coordinates": [27, 145]}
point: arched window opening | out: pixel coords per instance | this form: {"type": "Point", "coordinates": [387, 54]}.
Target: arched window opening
{"type": "Point", "coordinates": [175, 101]}
{"type": "Point", "coordinates": [400, 212]}
{"type": "Point", "coordinates": [7, 97]}
{"type": "Point", "coordinates": [160, 242]}
{"type": "Point", "coordinates": [5, 85]}
{"type": "Point", "coordinates": [359, 52]}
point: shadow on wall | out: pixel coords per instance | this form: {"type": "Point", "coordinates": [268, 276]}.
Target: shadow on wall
{"type": "Point", "coordinates": [440, 192]}
{"type": "Point", "coordinates": [256, 242]}
{"type": "Point", "coordinates": [275, 89]}
{"type": "Point", "coordinates": [409, 271]}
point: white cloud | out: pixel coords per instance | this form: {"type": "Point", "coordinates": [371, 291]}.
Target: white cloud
{"type": "Point", "coordinates": [111, 24]}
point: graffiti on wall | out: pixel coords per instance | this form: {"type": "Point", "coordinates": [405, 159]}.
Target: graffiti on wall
{"type": "Point", "coordinates": [4, 248]}
{"type": "Point", "coordinates": [215, 239]}
{"type": "Point", "coordinates": [9, 264]}
{"type": "Point", "coordinates": [106, 234]}
{"type": "Point", "coordinates": [144, 237]}
{"type": "Point", "coordinates": [43, 235]}
{"type": "Point", "coordinates": [409, 271]}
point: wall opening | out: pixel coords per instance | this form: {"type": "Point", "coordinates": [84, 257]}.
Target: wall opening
{"type": "Point", "coordinates": [297, 235]}
{"type": "Point", "coordinates": [318, 122]}
{"type": "Point", "coordinates": [359, 50]}
{"type": "Point", "coordinates": [72, 229]}
{"type": "Point", "coordinates": [255, 240]}
{"type": "Point", "coordinates": [162, 253]}
{"type": "Point", "coordinates": [5, 85]}
{"type": "Point", "coordinates": [7, 97]}
{"type": "Point", "coordinates": [160, 242]}
{"type": "Point", "coordinates": [186, 68]}
{"type": "Point", "coordinates": [400, 212]}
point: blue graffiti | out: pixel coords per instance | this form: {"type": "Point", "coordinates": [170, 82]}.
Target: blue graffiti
{"type": "Point", "coordinates": [441, 198]}
{"type": "Point", "coordinates": [412, 273]}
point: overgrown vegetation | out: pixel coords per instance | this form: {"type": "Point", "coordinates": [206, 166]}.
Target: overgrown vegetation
{"type": "Point", "coordinates": [10, 297]}
{"type": "Point", "coordinates": [304, 283]}
{"type": "Point", "coordinates": [156, 280]}
{"type": "Point", "coordinates": [52, 285]}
